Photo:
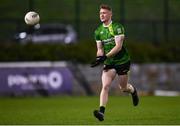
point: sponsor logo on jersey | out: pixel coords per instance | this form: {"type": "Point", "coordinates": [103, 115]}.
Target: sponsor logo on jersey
{"type": "Point", "coordinates": [101, 32]}
{"type": "Point", "coordinates": [110, 40]}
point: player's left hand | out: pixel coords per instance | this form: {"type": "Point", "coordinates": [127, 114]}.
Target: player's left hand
{"type": "Point", "coordinates": [99, 60]}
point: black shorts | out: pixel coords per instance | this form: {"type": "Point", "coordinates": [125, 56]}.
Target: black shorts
{"type": "Point", "coordinates": [120, 69]}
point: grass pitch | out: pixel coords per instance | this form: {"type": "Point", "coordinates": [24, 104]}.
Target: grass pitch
{"type": "Point", "coordinates": [78, 110]}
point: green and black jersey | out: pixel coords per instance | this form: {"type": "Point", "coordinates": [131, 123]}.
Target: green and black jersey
{"type": "Point", "coordinates": [106, 35]}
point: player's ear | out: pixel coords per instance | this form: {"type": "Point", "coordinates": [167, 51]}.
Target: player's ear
{"type": "Point", "coordinates": [110, 12]}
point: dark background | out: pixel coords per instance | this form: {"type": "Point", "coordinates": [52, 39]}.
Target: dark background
{"type": "Point", "coordinates": [152, 28]}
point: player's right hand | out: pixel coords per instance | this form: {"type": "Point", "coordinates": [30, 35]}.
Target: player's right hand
{"type": "Point", "coordinates": [99, 60]}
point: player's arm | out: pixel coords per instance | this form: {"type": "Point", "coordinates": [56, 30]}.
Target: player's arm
{"type": "Point", "coordinates": [100, 50]}
{"type": "Point", "coordinates": [100, 57]}
{"type": "Point", "coordinates": [119, 42]}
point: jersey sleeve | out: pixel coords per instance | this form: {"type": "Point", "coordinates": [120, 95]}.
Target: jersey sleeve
{"type": "Point", "coordinates": [119, 29]}
{"type": "Point", "coordinates": [96, 36]}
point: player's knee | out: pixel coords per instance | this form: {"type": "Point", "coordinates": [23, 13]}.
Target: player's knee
{"type": "Point", "coordinates": [106, 87]}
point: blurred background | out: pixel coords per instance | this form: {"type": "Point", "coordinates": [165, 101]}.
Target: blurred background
{"type": "Point", "coordinates": [53, 57]}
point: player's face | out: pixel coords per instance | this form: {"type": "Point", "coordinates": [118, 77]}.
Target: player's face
{"type": "Point", "coordinates": [105, 15]}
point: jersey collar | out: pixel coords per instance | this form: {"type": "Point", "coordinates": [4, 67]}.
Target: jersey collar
{"type": "Point", "coordinates": [107, 25]}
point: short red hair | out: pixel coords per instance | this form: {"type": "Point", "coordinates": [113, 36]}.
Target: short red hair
{"type": "Point", "coordinates": [105, 6]}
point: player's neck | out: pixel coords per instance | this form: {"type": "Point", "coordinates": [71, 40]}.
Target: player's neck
{"type": "Point", "coordinates": [106, 24]}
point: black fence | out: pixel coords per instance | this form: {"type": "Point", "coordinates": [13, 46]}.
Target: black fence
{"type": "Point", "coordinates": [144, 20]}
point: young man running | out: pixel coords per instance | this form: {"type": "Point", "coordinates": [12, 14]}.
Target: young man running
{"type": "Point", "coordinates": [111, 51]}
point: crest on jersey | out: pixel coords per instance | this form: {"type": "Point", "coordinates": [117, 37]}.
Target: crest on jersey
{"type": "Point", "coordinates": [119, 30]}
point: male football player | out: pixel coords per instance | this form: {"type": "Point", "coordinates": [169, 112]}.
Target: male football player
{"type": "Point", "coordinates": [113, 54]}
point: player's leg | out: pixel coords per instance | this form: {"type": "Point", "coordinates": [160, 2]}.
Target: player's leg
{"type": "Point", "coordinates": [122, 71]}
{"type": "Point", "coordinates": [127, 87]}
{"type": "Point", "coordinates": [124, 85]}
{"type": "Point", "coordinates": [107, 78]}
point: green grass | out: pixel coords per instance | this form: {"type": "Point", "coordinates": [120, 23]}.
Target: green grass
{"type": "Point", "coordinates": [78, 110]}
